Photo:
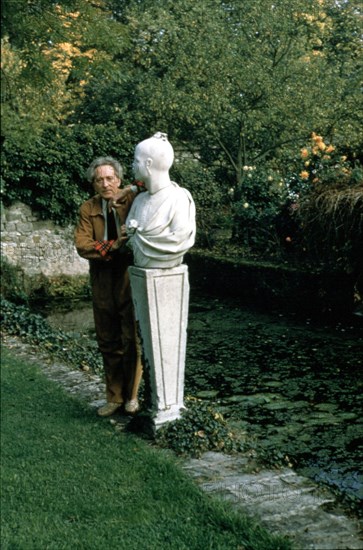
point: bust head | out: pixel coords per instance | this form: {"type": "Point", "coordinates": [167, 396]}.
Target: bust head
{"type": "Point", "coordinates": [153, 159]}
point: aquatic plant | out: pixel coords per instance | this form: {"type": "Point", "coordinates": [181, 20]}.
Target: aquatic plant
{"type": "Point", "coordinates": [19, 320]}
{"type": "Point", "coordinates": [201, 428]}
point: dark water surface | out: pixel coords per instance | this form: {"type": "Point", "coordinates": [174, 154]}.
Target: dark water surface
{"type": "Point", "coordinates": [293, 385]}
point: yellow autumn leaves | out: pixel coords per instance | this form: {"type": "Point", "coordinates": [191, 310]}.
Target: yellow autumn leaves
{"type": "Point", "coordinates": [317, 149]}
{"type": "Point", "coordinates": [320, 162]}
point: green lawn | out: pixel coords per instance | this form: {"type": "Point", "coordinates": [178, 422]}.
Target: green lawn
{"type": "Point", "coordinates": [69, 480]}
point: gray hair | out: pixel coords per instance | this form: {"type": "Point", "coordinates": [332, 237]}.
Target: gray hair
{"type": "Point", "coordinates": [104, 161]}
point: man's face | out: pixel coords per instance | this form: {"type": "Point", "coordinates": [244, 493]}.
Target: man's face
{"type": "Point", "coordinates": [106, 182]}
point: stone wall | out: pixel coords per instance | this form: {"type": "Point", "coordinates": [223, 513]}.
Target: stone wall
{"type": "Point", "coordinates": [37, 246]}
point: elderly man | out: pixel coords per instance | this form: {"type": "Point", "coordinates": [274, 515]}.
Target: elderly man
{"type": "Point", "coordinates": [100, 238]}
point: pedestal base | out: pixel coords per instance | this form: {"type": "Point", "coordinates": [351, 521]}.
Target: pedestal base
{"type": "Point", "coordinates": [161, 300]}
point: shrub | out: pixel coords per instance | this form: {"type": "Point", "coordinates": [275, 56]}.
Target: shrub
{"type": "Point", "coordinates": [48, 176]}
{"type": "Point", "coordinates": [327, 192]}
{"type": "Point", "coordinates": [12, 283]}
{"type": "Point", "coordinates": [323, 166]}
{"type": "Point", "coordinates": [260, 200]}
{"type": "Point", "coordinates": [33, 328]}
{"type": "Point", "coordinates": [331, 224]}
{"type": "Point", "coordinates": [63, 286]}
{"type": "Point", "coordinates": [210, 198]}
{"type": "Point", "coordinates": [201, 428]}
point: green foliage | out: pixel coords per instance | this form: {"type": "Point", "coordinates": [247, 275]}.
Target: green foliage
{"type": "Point", "coordinates": [12, 283]}
{"type": "Point", "coordinates": [326, 192]}
{"type": "Point", "coordinates": [49, 175]}
{"type": "Point", "coordinates": [63, 287]}
{"type": "Point", "coordinates": [240, 83]}
{"type": "Point", "coordinates": [20, 321]}
{"type": "Point", "coordinates": [323, 167]}
{"type": "Point", "coordinates": [210, 197]}
{"type": "Point", "coordinates": [19, 288]}
{"type": "Point", "coordinates": [67, 287]}
{"type": "Point", "coordinates": [331, 226]}
{"type": "Point", "coordinates": [26, 22]}
{"type": "Point", "coordinates": [50, 51]}
{"type": "Point", "coordinates": [256, 208]}
{"type": "Point", "coordinates": [200, 429]}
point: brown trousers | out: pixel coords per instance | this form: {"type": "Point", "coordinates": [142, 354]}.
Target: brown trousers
{"type": "Point", "coordinates": [116, 329]}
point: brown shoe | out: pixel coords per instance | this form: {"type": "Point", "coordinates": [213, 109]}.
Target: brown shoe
{"type": "Point", "coordinates": [108, 409]}
{"type": "Point", "coordinates": [132, 406]}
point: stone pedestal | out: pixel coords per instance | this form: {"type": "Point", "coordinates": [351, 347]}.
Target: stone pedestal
{"type": "Point", "coordinates": [161, 300]}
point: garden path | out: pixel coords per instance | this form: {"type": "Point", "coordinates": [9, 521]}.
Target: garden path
{"type": "Point", "coordinates": [284, 502]}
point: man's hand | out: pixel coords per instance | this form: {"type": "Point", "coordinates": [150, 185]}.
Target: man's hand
{"type": "Point", "coordinates": [118, 197]}
{"type": "Point", "coordinates": [121, 241]}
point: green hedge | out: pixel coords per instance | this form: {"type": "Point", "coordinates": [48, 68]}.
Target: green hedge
{"type": "Point", "coordinates": [48, 176]}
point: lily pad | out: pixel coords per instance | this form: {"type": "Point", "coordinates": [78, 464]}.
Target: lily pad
{"type": "Point", "coordinates": [267, 397]}
{"type": "Point", "coordinates": [346, 416]}
{"type": "Point", "coordinates": [322, 418]}
{"type": "Point", "coordinates": [277, 406]}
{"type": "Point", "coordinates": [242, 401]}
{"type": "Point", "coordinates": [320, 415]}
{"type": "Point", "coordinates": [328, 407]}
{"type": "Point", "coordinates": [207, 394]}
{"type": "Point", "coordinates": [273, 384]}
{"type": "Point", "coordinates": [239, 425]}
{"type": "Point", "coordinates": [297, 404]}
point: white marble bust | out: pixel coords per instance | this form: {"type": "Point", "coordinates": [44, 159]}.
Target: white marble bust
{"type": "Point", "coordinates": [161, 222]}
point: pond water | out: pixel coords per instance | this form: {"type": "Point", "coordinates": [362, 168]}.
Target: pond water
{"type": "Point", "coordinates": [294, 385]}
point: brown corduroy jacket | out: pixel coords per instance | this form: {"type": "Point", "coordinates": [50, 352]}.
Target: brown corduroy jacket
{"type": "Point", "coordinates": [91, 225]}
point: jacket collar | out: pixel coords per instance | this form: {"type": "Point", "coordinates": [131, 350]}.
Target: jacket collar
{"type": "Point", "coordinates": [96, 209]}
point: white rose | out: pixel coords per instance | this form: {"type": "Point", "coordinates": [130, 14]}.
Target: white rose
{"type": "Point", "coordinates": [133, 224]}
{"type": "Point", "coordinates": [131, 227]}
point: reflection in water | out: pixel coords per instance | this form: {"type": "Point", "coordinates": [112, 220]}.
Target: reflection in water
{"type": "Point", "coordinates": [294, 385]}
